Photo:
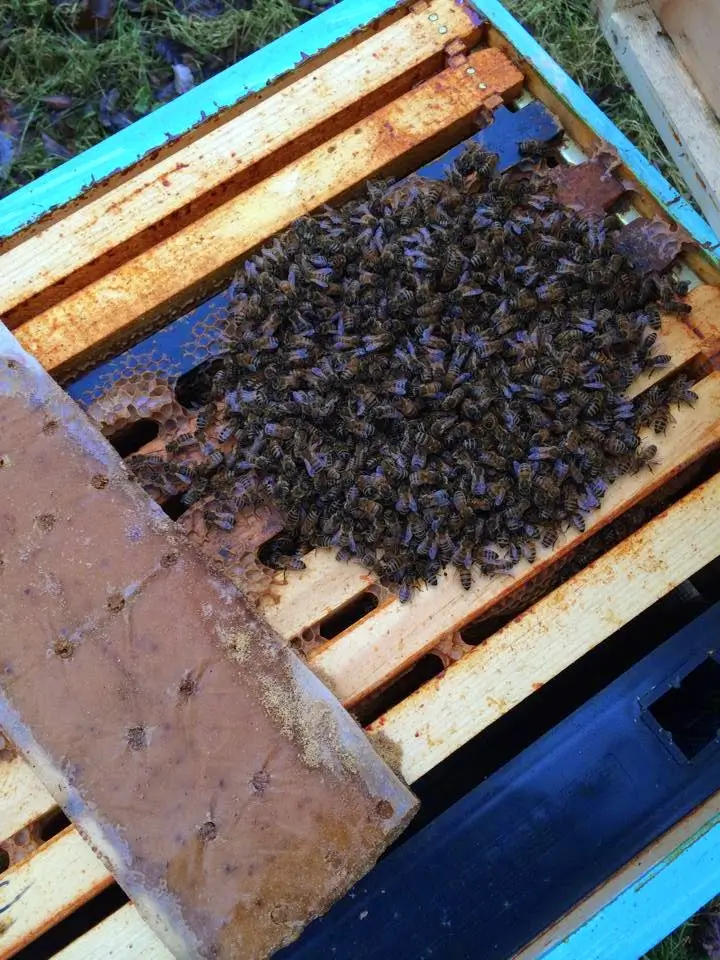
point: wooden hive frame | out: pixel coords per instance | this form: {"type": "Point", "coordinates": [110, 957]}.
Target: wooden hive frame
{"type": "Point", "coordinates": [389, 87]}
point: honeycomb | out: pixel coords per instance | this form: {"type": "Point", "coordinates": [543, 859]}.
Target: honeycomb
{"type": "Point", "coordinates": [452, 647]}
{"type": "Point", "coordinates": [142, 396]}
{"type": "Point", "coordinates": [22, 845]}
{"type": "Point", "coordinates": [235, 551]}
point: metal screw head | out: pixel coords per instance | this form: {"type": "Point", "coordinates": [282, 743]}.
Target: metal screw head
{"type": "Point", "coordinates": [442, 29]}
{"type": "Point", "coordinates": [482, 86]}
{"type": "Point", "coordinates": [470, 70]}
{"type": "Point", "coordinates": [433, 17]}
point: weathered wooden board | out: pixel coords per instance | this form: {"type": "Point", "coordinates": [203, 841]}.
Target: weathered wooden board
{"type": "Point", "coordinates": [688, 126]}
{"type": "Point", "coordinates": [123, 658]}
{"type": "Point", "coordinates": [123, 303]}
{"type": "Point", "coordinates": [694, 26]}
{"type": "Point", "coordinates": [229, 159]}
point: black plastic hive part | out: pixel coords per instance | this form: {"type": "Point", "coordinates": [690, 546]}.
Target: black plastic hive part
{"type": "Point", "coordinates": [521, 849]}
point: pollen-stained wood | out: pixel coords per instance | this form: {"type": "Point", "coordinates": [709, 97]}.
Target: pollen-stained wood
{"type": "Point", "coordinates": [44, 889]}
{"type": "Point", "coordinates": [705, 320]}
{"type": "Point", "coordinates": [224, 787]}
{"type": "Point", "coordinates": [157, 202]}
{"type": "Point", "coordinates": [397, 138]}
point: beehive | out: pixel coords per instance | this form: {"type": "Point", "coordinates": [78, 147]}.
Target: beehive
{"type": "Point", "coordinates": [98, 289]}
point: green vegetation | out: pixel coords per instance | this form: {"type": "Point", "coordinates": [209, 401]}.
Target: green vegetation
{"type": "Point", "coordinates": [69, 78]}
{"type": "Point", "coordinates": [693, 940]}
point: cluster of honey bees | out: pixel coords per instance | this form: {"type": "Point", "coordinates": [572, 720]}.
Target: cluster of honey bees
{"type": "Point", "coordinates": [433, 375]}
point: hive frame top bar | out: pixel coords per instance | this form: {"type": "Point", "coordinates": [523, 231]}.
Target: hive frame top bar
{"type": "Point", "coordinates": [120, 152]}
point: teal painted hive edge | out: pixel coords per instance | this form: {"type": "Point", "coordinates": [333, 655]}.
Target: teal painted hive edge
{"type": "Point", "coordinates": [593, 116]}
{"type": "Point", "coordinates": [120, 151]}
{"type": "Point", "coordinates": [652, 906]}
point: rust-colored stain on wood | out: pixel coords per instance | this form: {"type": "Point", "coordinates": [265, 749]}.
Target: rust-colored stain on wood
{"type": "Point", "coordinates": [705, 320]}
{"type": "Point", "coordinates": [396, 138]}
{"type": "Point", "coordinates": [202, 174]}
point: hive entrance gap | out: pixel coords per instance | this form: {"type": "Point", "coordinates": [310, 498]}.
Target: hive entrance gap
{"type": "Point", "coordinates": [193, 389]}
{"type": "Point", "coordinates": [53, 825]}
{"type": "Point", "coordinates": [348, 615]}
{"type": "Point", "coordinates": [130, 439]}
{"type": "Point", "coordinates": [174, 506]}
{"type": "Point", "coordinates": [690, 712]}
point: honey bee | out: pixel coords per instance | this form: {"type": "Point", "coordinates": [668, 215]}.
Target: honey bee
{"type": "Point", "coordinates": [524, 473]}
{"type": "Point", "coordinates": [657, 362]}
{"type": "Point", "coordinates": [676, 307]}
{"type": "Point", "coordinates": [182, 441]}
{"type": "Point", "coordinates": [552, 292]}
{"type": "Point", "coordinates": [465, 576]}
{"type": "Point", "coordinates": [647, 457]}
{"type": "Point", "coordinates": [679, 392]}
{"type": "Point", "coordinates": [425, 373]}
{"type": "Point", "coordinates": [663, 418]}
{"type": "Point", "coordinates": [404, 592]}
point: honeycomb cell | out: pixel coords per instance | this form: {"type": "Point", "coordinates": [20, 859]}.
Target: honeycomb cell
{"type": "Point", "coordinates": [145, 396]}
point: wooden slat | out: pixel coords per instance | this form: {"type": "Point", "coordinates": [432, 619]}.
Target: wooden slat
{"type": "Point", "coordinates": [475, 691]}
{"type": "Point", "coordinates": [314, 593]}
{"type": "Point", "coordinates": [688, 337]}
{"type": "Point", "coordinates": [681, 343]}
{"type": "Point", "coordinates": [705, 319]}
{"type": "Point", "coordinates": [686, 123]}
{"type": "Point", "coordinates": [423, 122]}
{"type": "Point", "coordinates": [225, 160]}
{"type": "Point", "coordinates": [23, 799]}
{"type": "Point", "coordinates": [123, 936]}
{"type": "Point", "coordinates": [39, 892]}
{"type": "Point", "coordinates": [371, 653]}
{"type": "Point", "coordinates": [694, 26]}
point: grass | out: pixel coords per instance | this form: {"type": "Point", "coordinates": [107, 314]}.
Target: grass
{"type": "Point", "coordinates": [680, 945]}
{"type": "Point", "coordinates": [109, 73]}
{"type": "Point", "coordinates": [686, 943]}
{"type": "Point", "coordinates": [112, 72]}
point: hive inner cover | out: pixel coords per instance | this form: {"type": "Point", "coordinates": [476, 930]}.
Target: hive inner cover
{"type": "Point", "coordinates": [230, 794]}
